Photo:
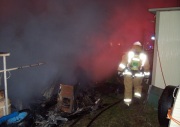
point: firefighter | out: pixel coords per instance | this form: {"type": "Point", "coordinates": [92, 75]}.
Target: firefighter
{"type": "Point", "coordinates": [134, 66]}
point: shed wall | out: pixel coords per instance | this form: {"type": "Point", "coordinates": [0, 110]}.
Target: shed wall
{"type": "Point", "coordinates": [167, 48]}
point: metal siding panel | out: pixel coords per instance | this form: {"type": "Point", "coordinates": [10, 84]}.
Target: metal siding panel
{"type": "Point", "coordinates": [168, 41]}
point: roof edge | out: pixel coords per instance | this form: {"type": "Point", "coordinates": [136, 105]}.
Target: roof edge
{"type": "Point", "coordinates": [154, 10]}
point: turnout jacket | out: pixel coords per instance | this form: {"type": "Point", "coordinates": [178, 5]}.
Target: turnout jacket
{"type": "Point", "coordinates": [135, 63]}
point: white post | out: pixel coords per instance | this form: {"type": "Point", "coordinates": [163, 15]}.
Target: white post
{"type": "Point", "coordinates": [5, 86]}
{"type": "Point", "coordinates": [5, 81]}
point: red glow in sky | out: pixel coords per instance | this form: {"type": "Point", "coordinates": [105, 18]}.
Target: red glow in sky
{"type": "Point", "coordinates": [128, 21]}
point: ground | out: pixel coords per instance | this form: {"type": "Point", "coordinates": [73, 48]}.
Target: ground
{"type": "Point", "coordinates": [139, 114]}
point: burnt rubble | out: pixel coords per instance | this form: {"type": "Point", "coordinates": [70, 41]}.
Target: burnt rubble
{"type": "Point", "coordinates": [62, 105]}
{"type": "Point", "coordinates": [65, 106]}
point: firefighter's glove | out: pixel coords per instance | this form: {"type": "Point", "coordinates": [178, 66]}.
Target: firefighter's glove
{"type": "Point", "coordinates": [120, 73]}
{"type": "Point", "coordinates": [146, 75]}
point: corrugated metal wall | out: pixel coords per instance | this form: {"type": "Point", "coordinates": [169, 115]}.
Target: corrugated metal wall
{"type": "Point", "coordinates": [168, 41]}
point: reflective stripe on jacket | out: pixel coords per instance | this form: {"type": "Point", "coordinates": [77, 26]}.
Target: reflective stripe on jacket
{"type": "Point", "coordinates": [134, 62]}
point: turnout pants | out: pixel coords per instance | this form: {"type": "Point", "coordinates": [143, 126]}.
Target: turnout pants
{"type": "Point", "coordinates": [129, 84]}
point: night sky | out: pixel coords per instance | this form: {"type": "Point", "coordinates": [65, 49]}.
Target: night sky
{"type": "Point", "coordinates": [80, 40]}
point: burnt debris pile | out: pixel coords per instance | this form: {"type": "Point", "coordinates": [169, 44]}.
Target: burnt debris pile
{"type": "Point", "coordinates": [70, 103]}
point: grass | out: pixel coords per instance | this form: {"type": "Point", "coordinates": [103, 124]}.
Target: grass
{"type": "Point", "coordinates": [137, 115]}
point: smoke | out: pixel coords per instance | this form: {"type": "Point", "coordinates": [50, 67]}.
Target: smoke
{"type": "Point", "coordinates": [80, 41]}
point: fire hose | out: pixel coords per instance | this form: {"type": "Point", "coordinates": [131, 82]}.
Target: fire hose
{"type": "Point", "coordinates": [113, 104]}
{"type": "Point", "coordinates": [96, 116]}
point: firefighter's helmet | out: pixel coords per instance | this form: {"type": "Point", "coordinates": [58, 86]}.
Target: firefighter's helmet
{"type": "Point", "coordinates": [137, 43]}
{"type": "Point", "coordinates": [137, 47]}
